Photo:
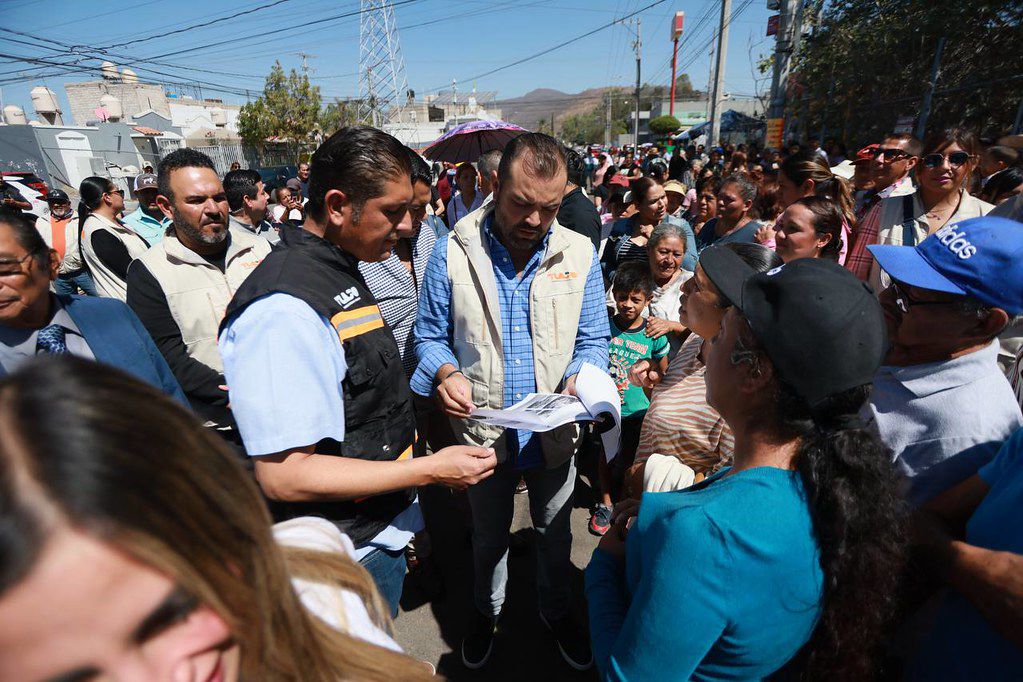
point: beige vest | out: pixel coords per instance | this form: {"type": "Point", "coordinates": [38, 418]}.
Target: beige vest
{"type": "Point", "coordinates": [555, 304]}
{"type": "Point", "coordinates": [108, 283]}
{"type": "Point", "coordinates": [890, 226]}
{"type": "Point", "coordinates": [198, 292]}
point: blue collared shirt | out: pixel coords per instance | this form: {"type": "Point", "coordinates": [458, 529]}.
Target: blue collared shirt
{"type": "Point", "coordinates": [146, 226]}
{"type": "Point", "coordinates": [943, 420]}
{"type": "Point", "coordinates": [434, 331]}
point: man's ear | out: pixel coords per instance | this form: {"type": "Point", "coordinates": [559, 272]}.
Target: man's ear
{"type": "Point", "coordinates": [337, 209]}
{"type": "Point", "coordinates": [166, 206]}
{"type": "Point", "coordinates": [53, 264]}
{"type": "Point", "coordinates": [992, 324]}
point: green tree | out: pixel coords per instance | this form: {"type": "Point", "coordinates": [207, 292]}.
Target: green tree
{"type": "Point", "coordinates": [663, 125]}
{"type": "Point", "coordinates": [338, 114]}
{"type": "Point", "coordinates": [869, 62]}
{"type": "Point", "coordinates": [288, 109]}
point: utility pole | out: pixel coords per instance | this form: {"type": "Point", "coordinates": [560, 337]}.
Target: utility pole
{"type": "Point", "coordinates": [639, 65]}
{"type": "Point", "coordinates": [719, 73]}
{"type": "Point", "coordinates": [925, 109]}
{"type": "Point", "coordinates": [607, 121]}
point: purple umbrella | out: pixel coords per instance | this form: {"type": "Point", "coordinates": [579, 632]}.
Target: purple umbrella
{"type": "Point", "coordinates": [468, 141]}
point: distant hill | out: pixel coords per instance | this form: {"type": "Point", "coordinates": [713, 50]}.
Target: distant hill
{"type": "Point", "coordinates": [536, 105]}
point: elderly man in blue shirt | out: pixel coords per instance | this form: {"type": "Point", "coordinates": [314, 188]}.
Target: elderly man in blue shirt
{"type": "Point", "coordinates": [941, 402]}
{"type": "Point", "coordinates": [513, 303]}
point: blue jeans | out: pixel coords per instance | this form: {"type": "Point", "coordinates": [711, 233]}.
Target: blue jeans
{"type": "Point", "coordinates": [550, 506]}
{"type": "Point", "coordinates": [69, 284]}
{"type": "Point", "coordinates": [388, 571]}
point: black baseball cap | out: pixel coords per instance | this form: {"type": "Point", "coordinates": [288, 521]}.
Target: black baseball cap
{"type": "Point", "coordinates": [57, 196]}
{"type": "Point", "coordinates": [726, 270]}
{"type": "Point", "coordinates": [822, 328]}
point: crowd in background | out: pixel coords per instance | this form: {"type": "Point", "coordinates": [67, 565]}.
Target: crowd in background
{"type": "Point", "coordinates": [818, 361]}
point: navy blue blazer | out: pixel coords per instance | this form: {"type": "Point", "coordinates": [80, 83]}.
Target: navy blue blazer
{"type": "Point", "coordinates": [116, 337]}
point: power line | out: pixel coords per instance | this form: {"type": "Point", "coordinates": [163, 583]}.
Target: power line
{"type": "Point", "coordinates": [200, 25]}
{"type": "Point", "coordinates": [554, 47]}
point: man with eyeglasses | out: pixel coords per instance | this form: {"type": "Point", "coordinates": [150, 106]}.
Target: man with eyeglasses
{"type": "Point", "coordinates": [891, 164]}
{"type": "Point", "coordinates": [941, 402]}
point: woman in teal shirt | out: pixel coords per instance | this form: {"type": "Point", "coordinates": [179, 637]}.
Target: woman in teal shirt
{"type": "Point", "coordinates": [795, 548]}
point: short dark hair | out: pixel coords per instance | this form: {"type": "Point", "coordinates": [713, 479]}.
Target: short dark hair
{"type": "Point", "coordinates": [1006, 155]}
{"type": "Point", "coordinates": [633, 275]}
{"type": "Point", "coordinates": [179, 158]}
{"type": "Point", "coordinates": [421, 171]}
{"type": "Point", "coordinates": [357, 160]}
{"type": "Point", "coordinates": [546, 156]}
{"type": "Point", "coordinates": [26, 235]}
{"type": "Point", "coordinates": [913, 146]}
{"type": "Point", "coordinates": [239, 184]}
{"type": "Point", "coordinates": [711, 181]}
{"type": "Point", "coordinates": [575, 166]}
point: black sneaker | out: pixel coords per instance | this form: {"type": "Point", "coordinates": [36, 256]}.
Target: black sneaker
{"type": "Point", "coordinates": [478, 641]}
{"type": "Point", "coordinates": [573, 643]}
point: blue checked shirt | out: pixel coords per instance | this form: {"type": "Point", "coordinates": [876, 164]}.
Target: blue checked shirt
{"type": "Point", "coordinates": [434, 332]}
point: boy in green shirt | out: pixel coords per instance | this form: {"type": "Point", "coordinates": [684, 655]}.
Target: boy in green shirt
{"type": "Point", "coordinates": [632, 290]}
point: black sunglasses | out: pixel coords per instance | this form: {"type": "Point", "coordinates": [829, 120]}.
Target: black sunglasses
{"type": "Point", "coordinates": [889, 153]}
{"type": "Point", "coordinates": [955, 159]}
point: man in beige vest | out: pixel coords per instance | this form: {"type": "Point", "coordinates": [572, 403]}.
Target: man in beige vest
{"type": "Point", "coordinates": [180, 288]}
{"type": "Point", "coordinates": [512, 303]}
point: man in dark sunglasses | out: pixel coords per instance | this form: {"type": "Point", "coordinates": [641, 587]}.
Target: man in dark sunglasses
{"type": "Point", "coordinates": [894, 160]}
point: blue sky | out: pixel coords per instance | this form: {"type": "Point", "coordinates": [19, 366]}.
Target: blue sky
{"type": "Point", "coordinates": [460, 39]}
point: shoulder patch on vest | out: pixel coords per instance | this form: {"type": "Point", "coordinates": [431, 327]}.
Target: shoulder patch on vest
{"type": "Point", "coordinates": [351, 323]}
{"type": "Point", "coordinates": [347, 297]}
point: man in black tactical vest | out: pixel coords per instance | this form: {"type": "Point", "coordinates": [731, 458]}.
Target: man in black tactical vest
{"type": "Point", "coordinates": [315, 379]}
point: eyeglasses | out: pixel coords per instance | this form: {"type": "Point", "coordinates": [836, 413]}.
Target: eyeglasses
{"type": "Point", "coordinates": [955, 159]}
{"type": "Point", "coordinates": [116, 191]}
{"type": "Point", "coordinates": [887, 153]}
{"type": "Point", "coordinates": [10, 268]}
{"type": "Point", "coordinates": [905, 302]}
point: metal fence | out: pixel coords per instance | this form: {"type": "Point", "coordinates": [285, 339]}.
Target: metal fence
{"type": "Point", "coordinates": [223, 155]}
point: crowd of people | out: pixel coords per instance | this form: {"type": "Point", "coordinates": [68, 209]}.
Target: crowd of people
{"type": "Point", "coordinates": [213, 472]}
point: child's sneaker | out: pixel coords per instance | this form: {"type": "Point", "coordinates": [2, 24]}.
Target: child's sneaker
{"type": "Point", "coordinates": [601, 519]}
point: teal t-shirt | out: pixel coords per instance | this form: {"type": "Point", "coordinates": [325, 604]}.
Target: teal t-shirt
{"type": "Point", "coordinates": [625, 350]}
{"type": "Point", "coordinates": [722, 581]}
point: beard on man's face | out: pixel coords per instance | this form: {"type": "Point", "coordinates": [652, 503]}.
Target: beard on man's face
{"type": "Point", "coordinates": [207, 231]}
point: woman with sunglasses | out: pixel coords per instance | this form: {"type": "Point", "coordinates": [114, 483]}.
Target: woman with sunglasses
{"type": "Point", "coordinates": [108, 245]}
{"type": "Point", "coordinates": [946, 165]}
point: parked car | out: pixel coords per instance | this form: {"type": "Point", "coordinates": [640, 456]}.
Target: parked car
{"type": "Point", "coordinates": [32, 188]}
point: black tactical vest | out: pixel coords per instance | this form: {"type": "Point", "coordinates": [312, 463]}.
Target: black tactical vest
{"type": "Point", "coordinates": [379, 422]}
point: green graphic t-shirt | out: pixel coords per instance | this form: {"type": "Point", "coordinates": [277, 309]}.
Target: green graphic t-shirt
{"type": "Point", "coordinates": [626, 349]}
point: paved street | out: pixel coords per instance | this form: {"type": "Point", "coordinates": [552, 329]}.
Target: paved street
{"type": "Point", "coordinates": [523, 650]}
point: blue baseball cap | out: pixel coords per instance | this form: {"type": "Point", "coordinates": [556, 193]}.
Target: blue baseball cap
{"type": "Point", "coordinates": [979, 257]}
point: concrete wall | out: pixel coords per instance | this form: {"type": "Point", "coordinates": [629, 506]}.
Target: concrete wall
{"type": "Point", "coordinates": [193, 116]}
{"type": "Point", "coordinates": [19, 151]}
{"type": "Point", "coordinates": [74, 153]}
{"type": "Point", "coordinates": [135, 98]}
{"type": "Point", "coordinates": [155, 121]}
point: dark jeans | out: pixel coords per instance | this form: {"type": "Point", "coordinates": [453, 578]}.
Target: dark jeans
{"type": "Point", "coordinates": [388, 571]}
{"type": "Point", "coordinates": [69, 284]}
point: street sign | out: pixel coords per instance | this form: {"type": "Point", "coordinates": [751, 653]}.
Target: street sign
{"type": "Point", "coordinates": [904, 124]}
{"type": "Point", "coordinates": [772, 24]}
{"type": "Point", "coordinates": [775, 132]}
{"type": "Point", "coordinates": [676, 25]}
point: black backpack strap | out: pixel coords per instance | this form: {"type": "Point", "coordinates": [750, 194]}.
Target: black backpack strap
{"type": "Point", "coordinates": [908, 221]}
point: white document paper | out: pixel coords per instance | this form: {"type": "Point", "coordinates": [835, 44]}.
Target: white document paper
{"type": "Point", "coordinates": [597, 401]}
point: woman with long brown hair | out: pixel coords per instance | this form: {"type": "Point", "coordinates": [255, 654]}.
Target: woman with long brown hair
{"type": "Point", "coordinates": [943, 175]}
{"type": "Point", "coordinates": [134, 546]}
